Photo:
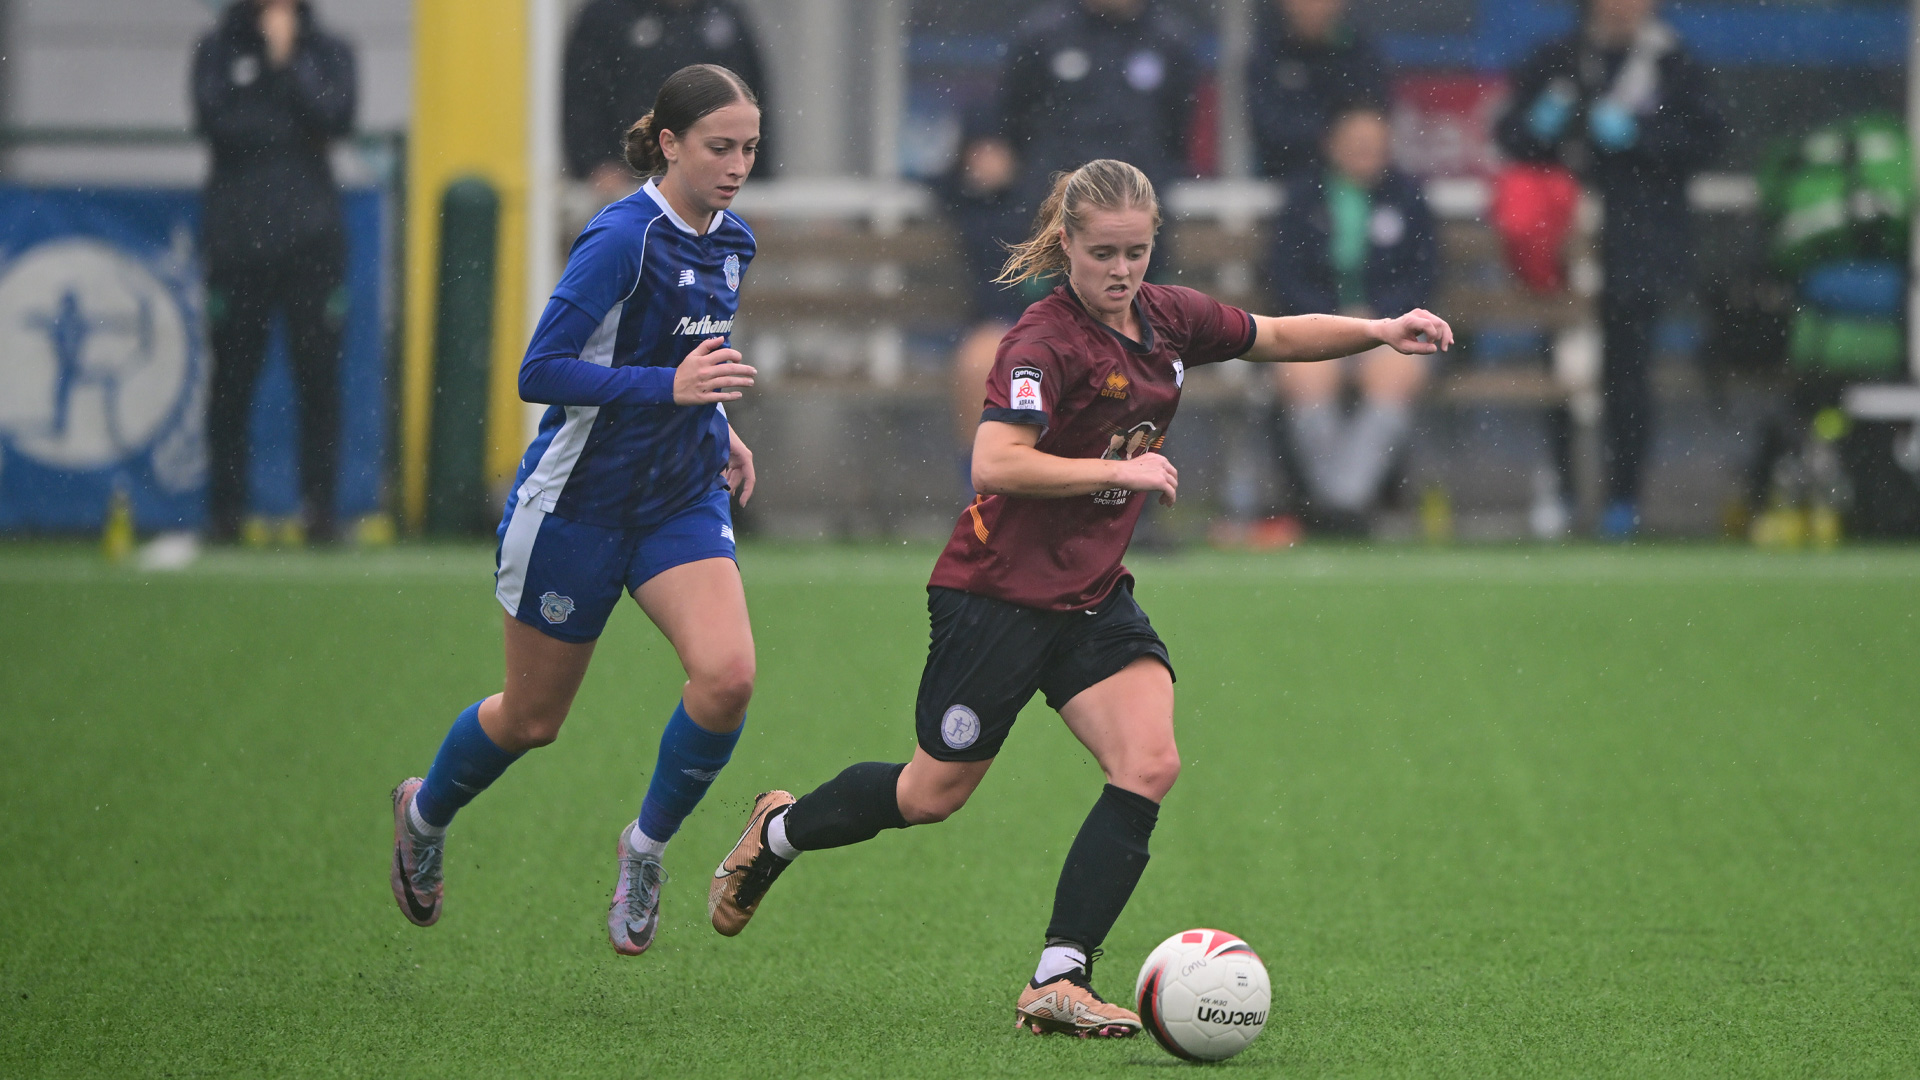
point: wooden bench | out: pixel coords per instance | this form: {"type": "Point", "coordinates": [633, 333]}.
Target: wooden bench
{"type": "Point", "coordinates": [835, 273]}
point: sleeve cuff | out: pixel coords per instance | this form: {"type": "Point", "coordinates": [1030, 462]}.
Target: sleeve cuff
{"type": "Point", "coordinates": [1015, 416]}
{"type": "Point", "coordinates": [654, 385]}
{"type": "Point", "coordinates": [1253, 333]}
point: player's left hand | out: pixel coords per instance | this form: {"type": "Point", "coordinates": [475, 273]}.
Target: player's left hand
{"type": "Point", "coordinates": [739, 467]}
{"type": "Point", "coordinates": [1417, 332]}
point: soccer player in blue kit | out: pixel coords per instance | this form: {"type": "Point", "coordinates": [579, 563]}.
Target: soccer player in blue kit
{"type": "Point", "coordinates": [624, 489]}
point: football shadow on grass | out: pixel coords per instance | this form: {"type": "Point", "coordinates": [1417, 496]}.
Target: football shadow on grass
{"type": "Point", "coordinates": [1168, 1061]}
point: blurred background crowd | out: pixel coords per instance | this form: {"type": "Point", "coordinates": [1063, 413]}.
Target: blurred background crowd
{"type": "Point", "coordinates": [268, 263]}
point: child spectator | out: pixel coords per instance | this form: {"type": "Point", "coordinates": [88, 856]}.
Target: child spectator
{"type": "Point", "coordinates": [1356, 238]}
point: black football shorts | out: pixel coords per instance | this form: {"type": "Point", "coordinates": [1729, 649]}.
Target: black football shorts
{"type": "Point", "coordinates": [987, 657]}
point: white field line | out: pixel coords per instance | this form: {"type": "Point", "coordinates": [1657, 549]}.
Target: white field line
{"type": "Point", "coordinates": [909, 565]}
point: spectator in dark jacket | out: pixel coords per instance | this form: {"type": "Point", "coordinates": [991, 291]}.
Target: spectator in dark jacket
{"type": "Point", "coordinates": [1098, 79]}
{"type": "Point", "coordinates": [618, 54]}
{"type": "Point", "coordinates": [1623, 105]}
{"type": "Point", "coordinates": [271, 91]}
{"type": "Point", "coordinates": [1308, 64]}
{"type": "Point", "coordinates": [1356, 238]}
{"type": "Point", "coordinates": [1084, 79]}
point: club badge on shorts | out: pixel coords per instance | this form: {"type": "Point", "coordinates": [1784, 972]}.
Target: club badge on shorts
{"type": "Point", "coordinates": [555, 608]}
{"type": "Point", "coordinates": [731, 268]}
{"type": "Point", "coordinates": [959, 728]}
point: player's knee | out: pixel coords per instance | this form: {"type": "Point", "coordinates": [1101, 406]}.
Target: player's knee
{"type": "Point", "coordinates": [1165, 770]}
{"type": "Point", "coordinates": [727, 684]}
{"type": "Point", "coordinates": [534, 729]}
{"type": "Point", "coordinates": [1151, 774]}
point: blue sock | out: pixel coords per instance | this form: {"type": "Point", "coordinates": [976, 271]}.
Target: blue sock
{"type": "Point", "coordinates": [467, 762]}
{"type": "Point", "coordinates": [690, 758]}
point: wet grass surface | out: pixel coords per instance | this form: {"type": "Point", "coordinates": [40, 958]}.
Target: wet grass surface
{"type": "Point", "coordinates": [1483, 812]}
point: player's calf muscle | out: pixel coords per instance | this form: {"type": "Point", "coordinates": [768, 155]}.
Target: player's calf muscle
{"type": "Point", "coordinates": [932, 791]}
{"type": "Point", "coordinates": [930, 808]}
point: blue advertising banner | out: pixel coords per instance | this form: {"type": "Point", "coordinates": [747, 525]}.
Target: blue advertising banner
{"type": "Point", "coordinates": [104, 364]}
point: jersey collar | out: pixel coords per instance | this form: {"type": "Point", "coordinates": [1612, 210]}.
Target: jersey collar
{"type": "Point", "coordinates": [653, 192]}
{"type": "Point", "coordinates": [1139, 312]}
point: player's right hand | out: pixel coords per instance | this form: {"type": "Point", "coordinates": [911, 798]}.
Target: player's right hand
{"type": "Point", "coordinates": [711, 373]}
{"type": "Point", "coordinates": [1149, 472]}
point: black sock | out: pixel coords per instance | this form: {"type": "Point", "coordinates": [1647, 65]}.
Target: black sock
{"type": "Point", "coordinates": [847, 809]}
{"type": "Point", "coordinates": [1103, 866]}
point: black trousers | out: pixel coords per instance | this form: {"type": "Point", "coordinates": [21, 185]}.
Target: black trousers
{"type": "Point", "coordinates": [1626, 385]}
{"type": "Point", "coordinates": [306, 287]}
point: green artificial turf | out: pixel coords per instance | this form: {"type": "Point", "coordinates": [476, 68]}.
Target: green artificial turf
{"type": "Point", "coordinates": [1494, 812]}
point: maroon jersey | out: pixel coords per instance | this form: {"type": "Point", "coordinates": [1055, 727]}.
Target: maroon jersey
{"type": "Point", "coordinates": [1096, 394]}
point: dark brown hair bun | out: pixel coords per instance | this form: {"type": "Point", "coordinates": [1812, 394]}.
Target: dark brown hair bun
{"type": "Point", "coordinates": [685, 98]}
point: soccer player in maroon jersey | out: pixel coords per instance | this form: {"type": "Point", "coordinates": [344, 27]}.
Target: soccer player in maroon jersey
{"type": "Point", "coordinates": [1030, 593]}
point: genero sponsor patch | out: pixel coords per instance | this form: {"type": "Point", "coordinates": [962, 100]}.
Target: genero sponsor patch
{"type": "Point", "coordinates": [1025, 390]}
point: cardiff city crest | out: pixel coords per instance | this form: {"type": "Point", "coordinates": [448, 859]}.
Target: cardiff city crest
{"type": "Point", "coordinates": [731, 268]}
{"type": "Point", "coordinates": [555, 608]}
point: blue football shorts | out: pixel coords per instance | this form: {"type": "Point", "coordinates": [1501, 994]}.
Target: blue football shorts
{"type": "Point", "coordinates": [563, 578]}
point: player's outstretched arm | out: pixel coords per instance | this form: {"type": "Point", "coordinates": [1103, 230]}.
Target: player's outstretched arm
{"type": "Point", "coordinates": [1006, 462]}
{"type": "Point", "coordinates": [1306, 338]}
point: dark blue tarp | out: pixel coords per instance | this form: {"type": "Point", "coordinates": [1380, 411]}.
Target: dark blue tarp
{"type": "Point", "coordinates": [103, 363]}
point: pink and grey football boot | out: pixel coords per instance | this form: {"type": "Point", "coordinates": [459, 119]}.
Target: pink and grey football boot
{"type": "Point", "coordinates": [635, 912]}
{"type": "Point", "coordinates": [416, 860]}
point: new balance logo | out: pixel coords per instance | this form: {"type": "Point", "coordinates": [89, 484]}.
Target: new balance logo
{"type": "Point", "coordinates": [705, 776]}
{"type": "Point", "coordinates": [704, 326]}
{"type": "Point", "coordinates": [686, 278]}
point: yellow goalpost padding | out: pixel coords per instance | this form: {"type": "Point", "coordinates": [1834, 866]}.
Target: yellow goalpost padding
{"type": "Point", "coordinates": [470, 118]}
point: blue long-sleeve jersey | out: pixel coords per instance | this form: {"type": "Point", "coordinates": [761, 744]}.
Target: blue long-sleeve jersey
{"type": "Point", "coordinates": [642, 288]}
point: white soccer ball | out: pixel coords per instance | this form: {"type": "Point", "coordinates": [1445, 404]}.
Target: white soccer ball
{"type": "Point", "coordinates": [1204, 995]}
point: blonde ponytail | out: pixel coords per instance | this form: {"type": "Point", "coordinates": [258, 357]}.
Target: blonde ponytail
{"type": "Point", "coordinates": [1104, 184]}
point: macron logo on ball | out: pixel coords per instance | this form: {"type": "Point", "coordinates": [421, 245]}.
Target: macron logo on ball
{"type": "Point", "coordinates": [704, 326]}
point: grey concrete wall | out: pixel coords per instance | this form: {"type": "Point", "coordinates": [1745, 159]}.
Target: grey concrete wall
{"type": "Point", "coordinates": [124, 63]}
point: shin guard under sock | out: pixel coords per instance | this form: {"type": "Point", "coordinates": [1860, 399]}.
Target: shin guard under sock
{"type": "Point", "coordinates": [847, 809]}
{"type": "Point", "coordinates": [690, 758]}
{"type": "Point", "coordinates": [1103, 866]}
{"type": "Point", "coordinates": [467, 762]}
